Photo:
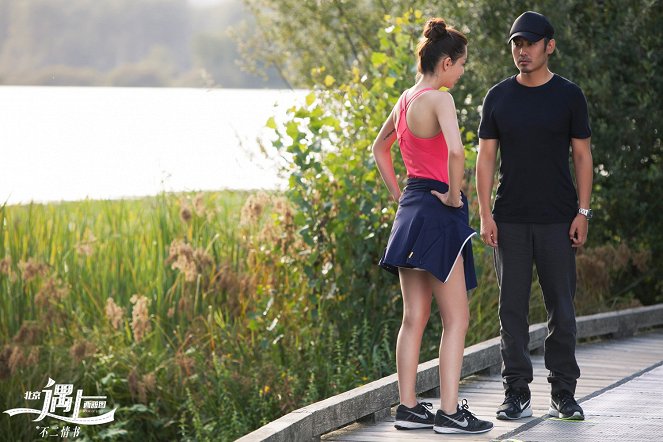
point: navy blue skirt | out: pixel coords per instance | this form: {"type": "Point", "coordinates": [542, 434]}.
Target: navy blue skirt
{"type": "Point", "coordinates": [428, 235]}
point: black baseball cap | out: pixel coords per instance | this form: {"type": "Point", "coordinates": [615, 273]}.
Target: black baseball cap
{"type": "Point", "coordinates": [531, 26]}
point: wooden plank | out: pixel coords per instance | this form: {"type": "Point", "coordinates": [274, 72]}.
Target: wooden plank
{"type": "Point", "coordinates": [610, 419]}
{"type": "Point", "coordinates": [600, 367]}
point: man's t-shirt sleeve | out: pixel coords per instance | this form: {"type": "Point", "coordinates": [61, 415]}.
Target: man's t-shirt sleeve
{"type": "Point", "coordinates": [487, 126]}
{"type": "Point", "coordinates": [580, 116]}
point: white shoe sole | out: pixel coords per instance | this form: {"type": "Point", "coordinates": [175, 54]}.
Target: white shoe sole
{"type": "Point", "coordinates": [448, 430]}
{"type": "Point", "coordinates": [408, 425]}
{"type": "Point", "coordinates": [527, 412]}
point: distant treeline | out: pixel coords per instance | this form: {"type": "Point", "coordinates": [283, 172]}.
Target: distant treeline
{"type": "Point", "coordinates": [124, 43]}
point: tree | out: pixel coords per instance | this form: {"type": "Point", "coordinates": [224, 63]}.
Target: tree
{"type": "Point", "coordinates": [114, 42]}
{"type": "Point", "coordinates": [296, 37]}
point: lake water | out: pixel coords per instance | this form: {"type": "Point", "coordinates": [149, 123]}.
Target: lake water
{"type": "Point", "coordinates": [69, 143]}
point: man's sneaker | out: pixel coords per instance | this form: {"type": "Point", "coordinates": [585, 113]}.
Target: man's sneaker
{"type": "Point", "coordinates": [419, 416]}
{"type": "Point", "coordinates": [463, 421]}
{"type": "Point", "coordinates": [516, 404]}
{"type": "Point", "coordinates": [563, 405]}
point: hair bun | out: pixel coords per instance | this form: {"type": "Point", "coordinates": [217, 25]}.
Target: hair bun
{"type": "Point", "coordinates": [435, 29]}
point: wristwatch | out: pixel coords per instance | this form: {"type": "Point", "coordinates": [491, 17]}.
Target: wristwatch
{"type": "Point", "coordinates": [587, 212]}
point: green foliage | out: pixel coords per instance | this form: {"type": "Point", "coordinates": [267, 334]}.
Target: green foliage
{"type": "Point", "coordinates": [343, 214]}
{"type": "Point", "coordinates": [609, 48]}
{"type": "Point", "coordinates": [621, 78]}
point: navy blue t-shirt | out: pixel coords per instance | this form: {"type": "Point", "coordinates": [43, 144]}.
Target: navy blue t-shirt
{"type": "Point", "coordinates": [534, 127]}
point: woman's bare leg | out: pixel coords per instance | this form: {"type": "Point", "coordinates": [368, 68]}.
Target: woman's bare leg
{"type": "Point", "coordinates": [417, 296]}
{"type": "Point", "coordinates": [451, 298]}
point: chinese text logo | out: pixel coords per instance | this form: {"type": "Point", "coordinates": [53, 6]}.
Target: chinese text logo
{"type": "Point", "coordinates": [60, 397]}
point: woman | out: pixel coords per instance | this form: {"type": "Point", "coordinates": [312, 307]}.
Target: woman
{"type": "Point", "coordinates": [429, 246]}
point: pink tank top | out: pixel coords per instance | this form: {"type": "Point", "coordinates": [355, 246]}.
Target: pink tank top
{"type": "Point", "coordinates": [423, 157]}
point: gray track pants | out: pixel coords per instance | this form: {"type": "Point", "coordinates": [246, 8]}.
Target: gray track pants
{"type": "Point", "coordinates": [549, 248]}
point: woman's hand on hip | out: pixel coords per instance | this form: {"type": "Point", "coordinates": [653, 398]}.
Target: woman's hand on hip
{"type": "Point", "coordinates": [455, 203]}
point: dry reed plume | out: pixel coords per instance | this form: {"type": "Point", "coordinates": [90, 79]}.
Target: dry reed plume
{"type": "Point", "coordinates": [81, 350]}
{"type": "Point", "coordinates": [86, 246]}
{"type": "Point", "coordinates": [114, 313]}
{"type": "Point", "coordinates": [32, 268]}
{"type": "Point", "coordinates": [140, 317]}
{"type": "Point", "coordinates": [140, 386]}
{"type": "Point", "coordinates": [30, 333]}
{"type": "Point", "coordinates": [189, 261]}
{"type": "Point", "coordinates": [6, 268]}
{"type": "Point", "coordinates": [48, 299]}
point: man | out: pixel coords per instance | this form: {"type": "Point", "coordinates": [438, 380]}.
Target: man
{"type": "Point", "coordinates": [538, 218]}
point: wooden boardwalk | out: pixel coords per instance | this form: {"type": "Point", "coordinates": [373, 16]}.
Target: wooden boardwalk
{"type": "Point", "coordinates": [602, 365]}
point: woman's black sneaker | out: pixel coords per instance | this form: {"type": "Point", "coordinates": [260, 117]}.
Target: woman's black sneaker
{"type": "Point", "coordinates": [419, 416]}
{"type": "Point", "coordinates": [563, 405]}
{"type": "Point", "coordinates": [463, 421]}
{"type": "Point", "coordinates": [517, 404]}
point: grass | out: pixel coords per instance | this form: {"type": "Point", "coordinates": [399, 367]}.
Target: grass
{"type": "Point", "coordinates": [62, 262]}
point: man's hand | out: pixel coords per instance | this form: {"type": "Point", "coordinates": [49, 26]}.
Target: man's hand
{"type": "Point", "coordinates": [578, 231]}
{"type": "Point", "coordinates": [489, 231]}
